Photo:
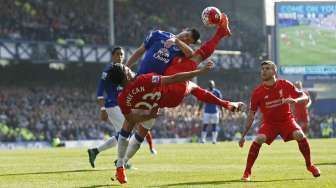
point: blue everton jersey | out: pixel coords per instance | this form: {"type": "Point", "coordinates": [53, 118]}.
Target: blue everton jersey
{"type": "Point", "coordinates": [157, 58]}
{"type": "Point", "coordinates": [105, 86]}
{"type": "Point", "coordinates": [212, 108]}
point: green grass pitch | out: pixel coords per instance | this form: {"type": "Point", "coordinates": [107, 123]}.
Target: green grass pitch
{"type": "Point", "coordinates": [185, 165]}
{"type": "Point", "coordinates": [302, 51]}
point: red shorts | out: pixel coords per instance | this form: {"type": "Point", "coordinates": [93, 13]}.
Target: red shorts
{"type": "Point", "coordinates": [180, 64]}
{"type": "Point", "coordinates": [285, 130]}
{"type": "Point", "coordinates": [175, 93]}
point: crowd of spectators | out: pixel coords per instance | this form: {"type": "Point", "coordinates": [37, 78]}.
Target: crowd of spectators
{"type": "Point", "coordinates": [39, 20]}
{"type": "Point", "coordinates": [88, 21]}
{"type": "Point", "coordinates": [42, 113]}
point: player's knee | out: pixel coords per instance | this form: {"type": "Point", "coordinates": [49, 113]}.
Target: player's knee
{"type": "Point", "coordinates": [142, 132]}
{"type": "Point", "coordinates": [298, 135]}
{"type": "Point", "coordinates": [260, 139]}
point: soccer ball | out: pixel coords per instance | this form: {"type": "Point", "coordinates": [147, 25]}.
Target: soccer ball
{"type": "Point", "coordinates": [211, 16]}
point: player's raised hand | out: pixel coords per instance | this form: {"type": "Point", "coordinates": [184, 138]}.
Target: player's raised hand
{"type": "Point", "coordinates": [288, 101]}
{"type": "Point", "coordinates": [241, 142]}
{"type": "Point", "coordinates": [208, 66]}
{"type": "Point", "coordinates": [170, 42]}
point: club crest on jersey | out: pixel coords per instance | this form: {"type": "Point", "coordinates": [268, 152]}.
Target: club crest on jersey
{"type": "Point", "coordinates": [162, 55]}
{"type": "Point", "coordinates": [155, 79]}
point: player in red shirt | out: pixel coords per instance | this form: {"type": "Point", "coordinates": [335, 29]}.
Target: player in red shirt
{"type": "Point", "coordinates": [273, 98]}
{"type": "Point", "coordinates": [300, 110]}
{"type": "Point", "coordinates": [143, 95]}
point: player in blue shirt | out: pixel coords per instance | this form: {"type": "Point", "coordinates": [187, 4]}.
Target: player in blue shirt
{"type": "Point", "coordinates": [109, 109]}
{"type": "Point", "coordinates": [211, 115]}
{"type": "Point", "coordinates": [160, 47]}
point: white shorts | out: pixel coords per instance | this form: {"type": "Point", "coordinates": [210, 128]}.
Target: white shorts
{"type": "Point", "coordinates": [116, 117]}
{"type": "Point", "coordinates": [210, 118]}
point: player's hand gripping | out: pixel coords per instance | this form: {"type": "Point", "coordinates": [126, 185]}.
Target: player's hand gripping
{"type": "Point", "coordinates": [103, 115]}
{"type": "Point", "coordinates": [170, 42]}
{"type": "Point", "coordinates": [241, 142]}
{"type": "Point", "coordinates": [288, 101]}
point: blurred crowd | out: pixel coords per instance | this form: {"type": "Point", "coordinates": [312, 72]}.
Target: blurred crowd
{"type": "Point", "coordinates": [50, 20]}
{"type": "Point", "coordinates": [42, 113]}
{"type": "Point", "coordinates": [88, 21]}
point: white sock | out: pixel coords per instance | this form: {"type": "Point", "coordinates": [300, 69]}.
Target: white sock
{"type": "Point", "coordinates": [203, 136]}
{"type": "Point", "coordinates": [133, 147]}
{"type": "Point", "coordinates": [214, 136]}
{"type": "Point", "coordinates": [111, 142]}
{"type": "Point", "coordinates": [122, 147]}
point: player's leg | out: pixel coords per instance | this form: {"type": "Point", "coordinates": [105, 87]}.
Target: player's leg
{"type": "Point", "coordinates": [149, 139]}
{"type": "Point", "coordinates": [214, 133]}
{"type": "Point", "coordinates": [266, 134]}
{"type": "Point", "coordinates": [214, 122]}
{"type": "Point", "coordinates": [123, 141]}
{"type": "Point", "coordinates": [116, 119]}
{"type": "Point", "coordinates": [209, 46]}
{"type": "Point", "coordinates": [292, 131]}
{"type": "Point", "coordinates": [304, 148]}
{"type": "Point", "coordinates": [252, 155]}
{"type": "Point", "coordinates": [204, 130]}
{"type": "Point", "coordinates": [206, 96]}
{"type": "Point", "coordinates": [137, 139]}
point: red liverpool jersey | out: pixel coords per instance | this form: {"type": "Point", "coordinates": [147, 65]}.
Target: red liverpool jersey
{"type": "Point", "coordinates": [269, 99]}
{"type": "Point", "coordinates": [146, 92]}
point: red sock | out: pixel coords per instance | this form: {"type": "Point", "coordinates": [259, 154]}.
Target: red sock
{"type": "Point", "coordinates": [305, 150]}
{"type": "Point", "coordinates": [207, 97]}
{"type": "Point", "coordinates": [149, 140]}
{"type": "Point", "coordinates": [252, 156]}
{"type": "Point", "coordinates": [209, 46]}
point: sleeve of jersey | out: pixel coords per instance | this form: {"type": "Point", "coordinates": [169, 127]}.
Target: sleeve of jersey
{"type": "Point", "coordinates": [150, 38]}
{"type": "Point", "coordinates": [293, 91]}
{"type": "Point", "coordinates": [254, 102]}
{"type": "Point", "coordinates": [122, 105]}
{"type": "Point", "coordinates": [100, 88]}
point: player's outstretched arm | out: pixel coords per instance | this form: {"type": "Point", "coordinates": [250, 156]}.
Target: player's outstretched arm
{"type": "Point", "coordinates": [250, 119]}
{"type": "Point", "coordinates": [185, 76]}
{"type": "Point", "coordinates": [186, 50]}
{"type": "Point", "coordinates": [136, 55]}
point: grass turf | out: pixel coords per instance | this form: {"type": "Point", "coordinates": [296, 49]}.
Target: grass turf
{"type": "Point", "coordinates": [185, 165]}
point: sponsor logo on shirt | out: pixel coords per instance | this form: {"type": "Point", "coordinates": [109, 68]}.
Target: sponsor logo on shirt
{"type": "Point", "coordinates": [162, 55]}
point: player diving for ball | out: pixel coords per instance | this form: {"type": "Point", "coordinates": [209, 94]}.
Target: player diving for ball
{"type": "Point", "coordinates": [157, 57]}
{"type": "Point", "coordinates": [143, 95]}
{"type": "Point", "coordinates": [109, 109]}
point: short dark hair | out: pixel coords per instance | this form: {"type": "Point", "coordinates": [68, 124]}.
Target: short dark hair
{"type": "Point", "coordinates": [116, 74]}
{"type": "Point", "coordinates": [194, 33]}
{"type": "Point", "coordinates": [115, 49]}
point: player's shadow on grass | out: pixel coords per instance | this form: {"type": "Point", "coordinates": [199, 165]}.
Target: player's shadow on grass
{"type": "Point", "coordinates": [224, 182]}
{"type": "Point", "coordinates": [54, 172]}
{"type": "Point", "coordinates": [325, 164]}
{"type": "Point", "coordinates": [97, 186]}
